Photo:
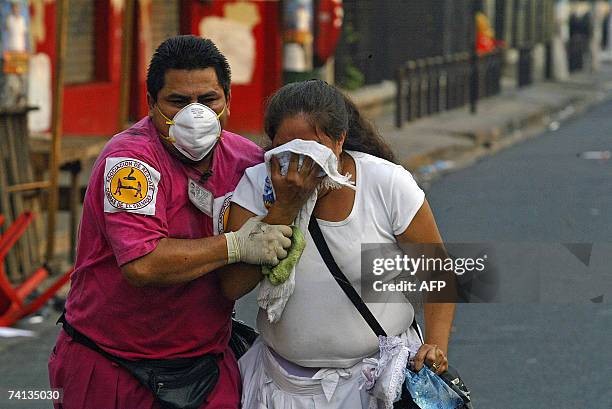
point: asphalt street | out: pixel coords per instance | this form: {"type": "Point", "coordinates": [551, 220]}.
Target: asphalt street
{"type": "Point", "coordinates": [553, 354]}
{"type": "Point", "coordinates": [551, 351]}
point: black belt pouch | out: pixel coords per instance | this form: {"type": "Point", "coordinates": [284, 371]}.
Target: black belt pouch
{"type": "Point", "coordinates": [182, 383]}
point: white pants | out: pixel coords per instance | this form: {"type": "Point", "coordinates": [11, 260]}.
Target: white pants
{"type": "Point", "coordinates": [266, 385]}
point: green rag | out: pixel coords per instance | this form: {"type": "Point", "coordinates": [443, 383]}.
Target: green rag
{"type": "Point", "coordinates": [280, 272]}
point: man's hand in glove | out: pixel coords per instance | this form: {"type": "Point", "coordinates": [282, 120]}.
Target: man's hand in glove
{"type": "Point", "coordinates": [258, 243]}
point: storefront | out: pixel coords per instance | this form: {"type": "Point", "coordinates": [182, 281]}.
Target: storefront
{"type": "Point", "coordinates": [247, 32]}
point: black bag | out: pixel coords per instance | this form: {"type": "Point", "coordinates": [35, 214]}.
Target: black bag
{"type": "Point", "coordinates": [453, 380]}
{"type": "Point", "coordinates": [182, 383]}
{"type": "Point", "coordinates": [242, 337]}
{"type": "Point", "coordinates": [176, 383]}
{"type": "Point", "coordinates": [450, 376]}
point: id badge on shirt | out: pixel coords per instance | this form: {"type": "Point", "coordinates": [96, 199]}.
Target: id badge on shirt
{"type": "Point", "coordinates": [200, 197]}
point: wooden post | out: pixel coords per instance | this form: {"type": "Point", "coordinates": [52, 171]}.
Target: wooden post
{"type": "Point", "coordinates": [422, 88]}
{"type": "Point", "coordinates": [61, 15]}
{"type": "Point", "coordinates": [5, 202]}
{"type": "Point", "coordinates": [410, 73]}
{"type": "Point", "coordinates": [25, 246]}
{"type": "Point", "coordinates": [399, 98]}
{"type": "Point", "coordinates": [126, 63]}
{"type": "Point", "coordinates": [22, 187]}
{"type": "Point", "coordinates": [75, 201]}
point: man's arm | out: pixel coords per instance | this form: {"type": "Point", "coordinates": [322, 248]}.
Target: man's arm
{"type": "Point", "coordinates": [177, 261]}
{"type": "Point", "coordinates": [240, 278]}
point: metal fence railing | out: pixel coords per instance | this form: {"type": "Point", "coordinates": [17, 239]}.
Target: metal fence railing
{"type": "Point", "coordinates": [428, 86]}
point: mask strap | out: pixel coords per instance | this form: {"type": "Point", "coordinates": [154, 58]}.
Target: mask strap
{"type": "Point", "coordinates": [222, 111]}
{"type": "Point", "coordinates": [167, 138]}
{"type": "Point", "coordinates": [168, 120]}
{"type": "Point", "coordinates": [219, 116]}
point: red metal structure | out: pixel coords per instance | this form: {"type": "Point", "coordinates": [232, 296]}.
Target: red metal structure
{"type": "Point", "coordinates": [13, 305]}
{"type": "Point", "coordinates": [329, 18]}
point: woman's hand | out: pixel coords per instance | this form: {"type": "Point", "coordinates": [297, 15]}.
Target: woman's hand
{"type": "Point", "coordinates": [432, 356]}
{"type": "Point", "coordinates": [293, 189]}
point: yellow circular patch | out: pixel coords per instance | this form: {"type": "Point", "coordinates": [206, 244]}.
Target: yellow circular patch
{"type": "Point", "coordinates": [129, 185]}
{"type": "Point", "coordinates": [225, 219]}
{"type": "Point", "coordinates": [223, 216]}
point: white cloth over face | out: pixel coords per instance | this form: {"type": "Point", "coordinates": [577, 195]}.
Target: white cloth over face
{"type": "Point", "coordinates": [274, 298]}
{"type": "Point", "coordinates": [318, 152]}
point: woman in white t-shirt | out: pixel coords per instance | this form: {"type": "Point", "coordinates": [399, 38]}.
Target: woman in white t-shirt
{"type": "Point", "coordinates": [311, 357]}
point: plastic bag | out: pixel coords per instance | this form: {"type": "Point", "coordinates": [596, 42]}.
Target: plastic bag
{"type": "Point", "coordinates": [428, 391]}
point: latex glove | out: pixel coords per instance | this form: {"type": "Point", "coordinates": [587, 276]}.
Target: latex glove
{"type": "Point", "coordinates": [258, 243]}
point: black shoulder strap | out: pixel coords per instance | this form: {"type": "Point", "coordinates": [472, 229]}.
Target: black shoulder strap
{"type": "Point", "coordinates": [82, 339]}
{"type": "Point", "coordinates": [343, 282]}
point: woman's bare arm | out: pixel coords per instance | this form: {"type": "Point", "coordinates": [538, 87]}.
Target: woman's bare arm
{"type": "Point", "coordinates": [438, 316]}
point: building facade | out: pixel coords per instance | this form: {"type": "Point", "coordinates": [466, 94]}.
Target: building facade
{"type": "Point", "coordinates": [380, 36]}
{"type": "Point", "coordinates": [246, 31]}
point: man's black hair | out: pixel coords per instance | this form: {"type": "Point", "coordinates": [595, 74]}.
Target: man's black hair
{"type": "Point", "coordinates": [186, 52]}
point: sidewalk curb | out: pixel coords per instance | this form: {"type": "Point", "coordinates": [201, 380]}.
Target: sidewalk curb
{"type": "Point", "coordinates": [374, 100]}
{"type": "Point", "coordinates": [498, 138]}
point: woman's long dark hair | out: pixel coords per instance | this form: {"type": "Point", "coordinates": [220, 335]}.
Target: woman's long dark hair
{"type": "Point", "coordinates": [329, 110]}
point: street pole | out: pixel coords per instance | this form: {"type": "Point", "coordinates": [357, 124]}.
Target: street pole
{"type": "Point", "coordinates": [525, 44]}
{"type": "Point", "coordinates": [61, 16]}
{"type": "Point", "coordinates": [126, 63]}
{"type": "Point", "coordinates": [609, 48]}
{"type": "Point", "coordinates": [474, 72]}
{"type": "Point", "coordinates": [549, 17]}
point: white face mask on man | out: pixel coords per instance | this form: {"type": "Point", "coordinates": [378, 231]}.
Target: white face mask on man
{"type": "Point", "coordinates": [194, 130]}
